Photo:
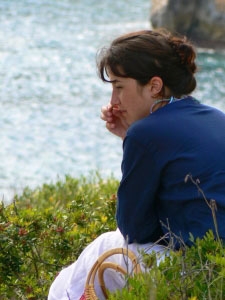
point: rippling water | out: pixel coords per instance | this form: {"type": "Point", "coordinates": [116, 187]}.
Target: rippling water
{"type": "Point", "coordinates": [50, 93]}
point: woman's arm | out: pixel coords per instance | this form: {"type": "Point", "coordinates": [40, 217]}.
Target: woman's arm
{"type": "Point", "coordinates": [137, 205]}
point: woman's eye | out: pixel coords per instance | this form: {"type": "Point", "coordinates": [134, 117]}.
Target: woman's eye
{"type": "Point", "coordinates": [119, 87]}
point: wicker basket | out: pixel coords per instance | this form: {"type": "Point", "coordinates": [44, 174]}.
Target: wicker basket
{"type": "Point", "coordinates": [100, 266]}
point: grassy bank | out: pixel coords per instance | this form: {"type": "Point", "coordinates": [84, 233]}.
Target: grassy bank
{"type": "Point", "coordinates": [46, 229]}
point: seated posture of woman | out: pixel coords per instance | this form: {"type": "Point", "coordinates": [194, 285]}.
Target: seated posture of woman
{"type": "Point", "coordinates": [167, 134]}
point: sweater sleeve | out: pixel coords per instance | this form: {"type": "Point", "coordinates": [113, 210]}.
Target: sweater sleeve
{"type": "Point", "coordinates": [136, 215]}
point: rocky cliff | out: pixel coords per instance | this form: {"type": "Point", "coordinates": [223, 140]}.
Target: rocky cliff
{"type": "Point", "coordinates": [203, 21]}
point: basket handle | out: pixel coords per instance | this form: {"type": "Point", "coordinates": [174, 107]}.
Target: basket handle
{"type": "Point", "coordinates": [100, 266]}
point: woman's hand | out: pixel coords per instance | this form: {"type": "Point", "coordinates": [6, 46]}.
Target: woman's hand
{"type": "Point", "coordinates": [114, 119]}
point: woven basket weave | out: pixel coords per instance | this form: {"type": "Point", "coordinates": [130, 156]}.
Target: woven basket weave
{"type": "Point", "coordinates": [100, 266]}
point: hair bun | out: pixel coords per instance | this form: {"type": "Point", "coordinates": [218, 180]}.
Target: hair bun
{"type": "Point", "coordinates": [184, 50]}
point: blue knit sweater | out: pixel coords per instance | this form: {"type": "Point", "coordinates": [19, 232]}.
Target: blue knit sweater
{"type": "Point", "coordinates": [184, 137]}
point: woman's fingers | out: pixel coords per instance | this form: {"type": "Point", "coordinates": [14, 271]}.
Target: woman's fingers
{"type": "Point", "coordinates": [106, 113]}
{"type": "Point", "coordinates": [114, 120]}
{"type": "Point", "coordinates": [110, 126]}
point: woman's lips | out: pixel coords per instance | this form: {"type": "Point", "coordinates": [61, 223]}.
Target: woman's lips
{"type": "Point", "coordinates": [116, 108]}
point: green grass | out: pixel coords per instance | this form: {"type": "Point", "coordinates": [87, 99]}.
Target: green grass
{"type": "Point", "coordinates": [195, 273]}
{"type": "Point", "coordinates": [46, 229]}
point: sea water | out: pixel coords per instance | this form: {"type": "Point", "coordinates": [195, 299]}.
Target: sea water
{"type": "Point", "coordinates": [51, 95]}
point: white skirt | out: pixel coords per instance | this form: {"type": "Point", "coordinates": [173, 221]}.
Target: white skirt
{"type": "Point", "coordinates": [70, 283]}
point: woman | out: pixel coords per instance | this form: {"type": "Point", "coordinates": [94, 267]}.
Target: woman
{"type": "Point", "coordinates": [167, 135]}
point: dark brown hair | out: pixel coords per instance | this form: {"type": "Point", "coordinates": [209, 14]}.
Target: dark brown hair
{"type": "Point", "coordinates": [144, 54]}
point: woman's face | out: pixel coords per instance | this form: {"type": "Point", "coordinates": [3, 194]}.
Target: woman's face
{"type": "Point", "coordinates": [130, 98]}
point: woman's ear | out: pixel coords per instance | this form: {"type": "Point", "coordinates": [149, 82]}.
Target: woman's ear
{"type": "Point", "coordinates": [156, 86]}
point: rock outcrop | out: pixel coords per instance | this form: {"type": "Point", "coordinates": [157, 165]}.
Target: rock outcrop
{"type": "Point", "coordinates": [203, 21]}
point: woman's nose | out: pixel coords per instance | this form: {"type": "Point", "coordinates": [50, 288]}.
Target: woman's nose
{"type": "Point", "coordinates": [114, 98]}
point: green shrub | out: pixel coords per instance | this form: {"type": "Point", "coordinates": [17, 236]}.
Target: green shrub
{"type": "Point", "coordinates": [195, 273]}
{"type": "Point", "coordinates": [46, 229]}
